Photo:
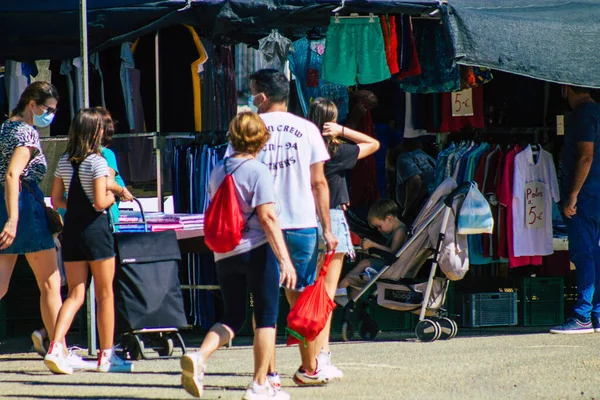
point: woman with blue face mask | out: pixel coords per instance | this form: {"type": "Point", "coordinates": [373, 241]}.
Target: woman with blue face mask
{"type": "Point", "coordinates": [23, 222]}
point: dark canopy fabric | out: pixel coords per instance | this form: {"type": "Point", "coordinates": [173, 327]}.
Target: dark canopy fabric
{"type": "Point", "coordinates": [248, 20]}
{"type": "Point", "coordinates": [41, 29]}
{"type": "Point", "coordinates": [552, 40]}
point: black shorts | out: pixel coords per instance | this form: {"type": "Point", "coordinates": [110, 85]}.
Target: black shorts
{"type": "Point", "coordinates": [93, 243]}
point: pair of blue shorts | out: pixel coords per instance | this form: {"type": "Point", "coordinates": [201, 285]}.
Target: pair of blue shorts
{"type": "Point", "coordinates": [302, 246]}
{"type": "Point", "coordinates": [355, 51]}
{"type": "Point", "coordinates": [341, 230]}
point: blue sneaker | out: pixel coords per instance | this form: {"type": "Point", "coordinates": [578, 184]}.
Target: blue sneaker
{"type": "Point", "coordinates": [596, 323]}
{"type": "Point", "coordinates": [574, 326]}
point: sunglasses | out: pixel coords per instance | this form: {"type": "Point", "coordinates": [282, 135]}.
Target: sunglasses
{"type": "Point", "coordinates": [50, 110]}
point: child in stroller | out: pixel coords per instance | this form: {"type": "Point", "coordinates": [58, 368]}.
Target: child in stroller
{"type": "Point", "coordinates": [383, 215]}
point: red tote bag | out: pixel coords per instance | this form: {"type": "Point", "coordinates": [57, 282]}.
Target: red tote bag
{"type": "Point", "coordinates": [310, 313]}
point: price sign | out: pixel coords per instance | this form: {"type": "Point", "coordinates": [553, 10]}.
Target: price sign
{"type": "Point", "coordinates": [535, 206]}
{"type": "Point", "coordinates": [462, 103]}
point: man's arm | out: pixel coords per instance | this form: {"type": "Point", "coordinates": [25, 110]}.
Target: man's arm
{"type": "Point", "coordinates": [320, 191]}
{"type": "Point", "coordinates": [585, 157]}
{"type": "Point", "coordinates": [411, 193]}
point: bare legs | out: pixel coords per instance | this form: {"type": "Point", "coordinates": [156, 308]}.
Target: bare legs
{"type": "Point", "coordinates": [331, 283]}
{"type": "Point", "coordinates": [45, 269]}
{"type": "Point", "coordinates": [7, 265]}
{"type": "Point", "coordinates": [103, 272]}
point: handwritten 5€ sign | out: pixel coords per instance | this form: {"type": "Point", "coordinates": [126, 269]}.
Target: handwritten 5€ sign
{"type": "Point", "coordinates": [462, 103]}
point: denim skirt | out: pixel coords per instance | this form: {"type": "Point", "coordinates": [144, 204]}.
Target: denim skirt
{"type": "Point", "coordinates": [33, 233]}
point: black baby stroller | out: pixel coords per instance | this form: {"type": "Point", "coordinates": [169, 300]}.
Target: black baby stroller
{"type": "Point", "coordinates": [433, 236]}
{"type": "Point", "coordinates": [148, 300]}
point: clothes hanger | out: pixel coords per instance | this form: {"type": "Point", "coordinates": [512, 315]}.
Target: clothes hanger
{"type": "Point", "coordinates": [337, 17]}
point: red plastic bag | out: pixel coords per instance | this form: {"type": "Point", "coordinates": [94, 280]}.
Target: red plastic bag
{"type": "Point", "coordinates": [310, 313]}
{"type": "Point", "coordinates": [223, 220]}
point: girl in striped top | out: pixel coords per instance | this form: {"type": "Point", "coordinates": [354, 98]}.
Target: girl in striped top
{"type": "Point", "coordinates": [87, 241]}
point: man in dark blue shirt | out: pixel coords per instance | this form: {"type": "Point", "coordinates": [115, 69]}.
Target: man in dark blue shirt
{"type": "Point", "coordinates": [580, 193]}
{"type": "Point", "coordinates": [414, 171]}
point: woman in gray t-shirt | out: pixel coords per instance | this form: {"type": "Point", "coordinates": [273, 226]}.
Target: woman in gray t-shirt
{"type": "Point", "coordinates": [245, 269]}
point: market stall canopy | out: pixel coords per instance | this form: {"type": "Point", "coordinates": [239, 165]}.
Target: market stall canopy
{"type": "Point", "coordinates": [248, 20]}
{"type": "Point", "coordinates": [551, 40]}
{"type": "Point", "coordinates": [42, 29]}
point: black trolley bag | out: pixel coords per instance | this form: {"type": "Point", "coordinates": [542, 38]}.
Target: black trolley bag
{"type": "Point", "coordinates": [148, 301]}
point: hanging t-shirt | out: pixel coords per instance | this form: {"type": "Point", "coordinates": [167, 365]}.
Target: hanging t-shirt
{"type": "Point", "coordinates": [295, 145]}
{"type": "Point", "coordinates": [508, 201]}
{"type": "Point", "coordinates": [343, 159]}
{"type": "Point", "coordinates": [534, 187]}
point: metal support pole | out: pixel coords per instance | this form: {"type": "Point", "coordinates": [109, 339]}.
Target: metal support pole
{"type": "Point", "coordinates": [91, 298]}
{"type": "Point", "coordinates": [157, 142]}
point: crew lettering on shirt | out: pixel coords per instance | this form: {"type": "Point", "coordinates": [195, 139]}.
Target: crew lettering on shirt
{"type": "Point", "coordinates": [286, 129]}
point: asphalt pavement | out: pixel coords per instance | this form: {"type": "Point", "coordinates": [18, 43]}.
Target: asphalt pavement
{"type": "Point", "coordinates": [485, 363]}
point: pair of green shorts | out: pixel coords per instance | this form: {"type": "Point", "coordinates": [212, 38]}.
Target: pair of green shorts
{"type": "Point", "coordinates": [355, 52]}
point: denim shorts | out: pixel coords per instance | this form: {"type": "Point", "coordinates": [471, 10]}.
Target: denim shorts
{"type": "Point", "coordinates": [33, 234]}
{"type": "Point", "coordinates": [302, 246]}
{"type": "Point", "coordinates": [341, 230]}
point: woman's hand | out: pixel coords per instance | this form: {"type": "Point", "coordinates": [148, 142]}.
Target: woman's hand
{"type": "Point", "coordinates": [8, 234]}
{"type": "Point", "coordinates": [126, 195]}
{"type": "Point", "coordinates": [332, 129]}
{"type": "Point", "coordinates": [287, 275]}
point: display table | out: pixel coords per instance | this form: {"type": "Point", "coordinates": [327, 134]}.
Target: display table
{"type": "Point", "coordinates": [191, 241]}
{"type": "Point", "coordinates": [560, 244]}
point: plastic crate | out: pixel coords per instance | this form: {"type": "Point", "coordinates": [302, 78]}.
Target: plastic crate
{"type": "Point", "coordinates": [489, 309]}
{"type": "Point", "coordinates": [541, 301]}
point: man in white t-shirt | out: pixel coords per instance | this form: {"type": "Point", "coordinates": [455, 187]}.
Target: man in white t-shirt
{"type": "Point", "coordinates": [295, 154]}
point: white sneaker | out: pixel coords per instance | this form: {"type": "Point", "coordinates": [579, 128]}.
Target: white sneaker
{"type": "Point", "coordinates": [192, 373]}
{"type": "Point", "coordinates": [331, 370]}
{"type": "Point", "coordinates": [109, 361]}
{"type": "Point", "coordinates": [318, 378]}
{"type": "Point", "coordinates": [77, 362]}
{"type": "Point", "coordinates": [56, 359]}
{"type": "Point", "coordinates": [275, 380]}
{"type": "Point", "coordinates": [264, 392]}
{"type": "Point", "coordinates": [39, 340]}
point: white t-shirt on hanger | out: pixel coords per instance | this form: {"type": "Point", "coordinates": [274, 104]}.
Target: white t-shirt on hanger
{"type": "Point", "coordinates": [535, 186]}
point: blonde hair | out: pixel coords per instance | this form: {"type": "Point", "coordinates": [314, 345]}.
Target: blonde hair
{"type": "Point", "coordinates": [248, 133]}
{"type": "Point", "coordinates": [85, 134]}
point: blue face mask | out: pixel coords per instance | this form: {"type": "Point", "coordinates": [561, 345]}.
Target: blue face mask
{"type": "Point", "coordinates": [44, 120]}
{"type": "Point", "coordinates": [253, 108]}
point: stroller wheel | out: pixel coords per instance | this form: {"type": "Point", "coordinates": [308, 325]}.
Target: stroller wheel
{"type": "Point", "coordinates": [368, 328]}
{"type": "Point", "coordinates": [347, 331]}
{"type": "Point", "coordinates": [166, 346]}
{"type": "Point", "coordinates": [449, 329]}
{"type": "Point", "coordinates": [136, 348]}
{"type": "Point", "coordinates": [428, 330]}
